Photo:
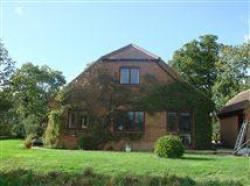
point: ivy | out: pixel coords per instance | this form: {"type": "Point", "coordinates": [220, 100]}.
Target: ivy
{"type": "Point", "coordinates": [54, 129]}
{"type": "Point", "coordinates": [179, 96]}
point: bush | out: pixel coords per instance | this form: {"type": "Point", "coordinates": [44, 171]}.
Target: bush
{"type": "Point", "coordinates": [28, 141]}
{"type": "Point", "coordinates": [18, 130]}
{"type": "Point", "coordinates": [96, 137]}
{"type": "Point", "coordinates": [32, 125]}
{"type": "Point", "coordinates": [87, 142]}
{"type": "Point", "coordinates": [169, 147]}
{"type": "Point", "coordinates": [5, 129]}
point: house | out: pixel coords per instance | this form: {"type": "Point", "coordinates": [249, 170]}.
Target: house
{"type": "Point", "coordinates": [231, 118]}
{"type": "Point", "coordinates": [128, 68]}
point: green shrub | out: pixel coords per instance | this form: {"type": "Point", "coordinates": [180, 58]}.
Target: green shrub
{"type": "Point", "coordinates": [51, 138]}
{"type": "Point", "coordinates": [169, 147]}
{"type": "Point", "coordinates": [18, 130]}
{"type": "Point", "coordinates": [23, 177]}
{"type": "Point", "coordinates": [32, 125]}
{"type": "Point", "coordinates": [97, 136]}
{"type": "Point", "coordinates": [5, 129]}
{"type": "Point", "coordinates": [87, 142]}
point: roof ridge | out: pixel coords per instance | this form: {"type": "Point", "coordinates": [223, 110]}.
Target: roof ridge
{"type": "Point", "coordinates": [131, 45]}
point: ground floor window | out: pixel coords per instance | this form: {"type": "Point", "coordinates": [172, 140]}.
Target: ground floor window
{"type": "Point", "coordinates": [185, 122]}
{"type": "Point", "coordinates": [171, 121]}
{"type": "Point", "coordinates": [180, 123]}
{"type": "Point", "coordinates": [186, 139]}
{"type": "Point", "coordinates": [130, 121]}
{"type": "Point", "coordinates": [77, 120]}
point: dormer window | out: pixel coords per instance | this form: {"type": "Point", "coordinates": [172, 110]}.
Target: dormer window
{"type": "Point", "coordinates": [129, 76]}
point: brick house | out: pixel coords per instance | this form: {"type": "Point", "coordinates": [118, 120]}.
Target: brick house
{"type": "Point", "coordinates": [127, 66]}
{"type": "Point", "coordinates": [231, 118]}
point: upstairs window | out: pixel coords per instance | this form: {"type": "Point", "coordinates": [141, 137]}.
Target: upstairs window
{"type": "Point", "coordinates": [129, 76]}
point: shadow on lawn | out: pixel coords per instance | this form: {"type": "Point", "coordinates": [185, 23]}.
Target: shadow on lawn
{"type": "Point", "coordinates": [197, 158]}
{"type": "Point", "coordinates": [22, 177]}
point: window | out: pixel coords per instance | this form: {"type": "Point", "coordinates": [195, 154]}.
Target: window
{"type": "Point", "coordinates": [72, 120]}
{"type": "Point", "coordinates": [171, 121]}
{"type": "Point", "coordinates": [130, 121]}
{"type": "Point", "coordinates": [185, 122]}
{"type": "Point", "coordinates": [78, 120]}
{"type": "Point", "coordinates": [129, 76]}
{"type": "Point", "coordinates": [185, 139]}
{"type": "Point", "coordinates": [84, 121]}
{"type": "Point", "coordinates": [181, 123]}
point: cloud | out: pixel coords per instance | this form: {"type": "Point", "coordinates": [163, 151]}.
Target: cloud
{"type": "Point", "coordinates": [247, 37]}
{"type": "Point", "coordinates": [19, 10]}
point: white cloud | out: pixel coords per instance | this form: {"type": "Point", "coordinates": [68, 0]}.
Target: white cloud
{"type": "Point", "coordinates": [19, 10]}
{"type": "Point", "coordinates": [247, 37]}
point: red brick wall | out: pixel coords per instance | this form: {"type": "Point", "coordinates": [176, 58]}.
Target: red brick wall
{"type": "Point", "coordinates": [155, 125]}
{"type": "Point", "coordinates": [145, 68]}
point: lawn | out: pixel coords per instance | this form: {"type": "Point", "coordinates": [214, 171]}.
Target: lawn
{"type": "Point", "coordinates": [197, 167]}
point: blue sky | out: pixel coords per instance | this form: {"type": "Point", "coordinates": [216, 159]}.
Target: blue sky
{"type": "Point", "coordinates": [67, 35]}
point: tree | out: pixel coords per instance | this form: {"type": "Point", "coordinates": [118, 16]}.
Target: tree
{"type": "Point", "coordinates": [233, 73]}
{"type": "Point", "coordinates": [32, 88]}
{"type": "Point", "coordinates": [6, 68]}
{"type": "Point", "coordinates": [6, 65]}
{"type": "Point", "coordinates": [196, 61]}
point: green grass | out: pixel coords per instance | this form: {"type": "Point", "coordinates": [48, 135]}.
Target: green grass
{"type": "Point", "coordinates": [197, 167]}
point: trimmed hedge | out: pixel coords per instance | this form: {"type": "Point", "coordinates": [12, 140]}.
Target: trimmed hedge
{"type": "Point", "coordinates": [169, 147]}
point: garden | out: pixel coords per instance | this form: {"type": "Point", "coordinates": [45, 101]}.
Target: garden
{"type": "Point", "coordinates": [41, 166]}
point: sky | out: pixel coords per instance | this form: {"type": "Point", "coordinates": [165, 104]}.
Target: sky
{"type": "Point", "coordinates": [67, 35]}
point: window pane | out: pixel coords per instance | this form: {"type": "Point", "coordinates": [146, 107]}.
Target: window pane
{"type": "Point", "coordinates": [171, 121]}
{"type": "Point", "coordinates": [130, 123]}
{"type": "Point", "coordinates": [185, 122]}
{"type": "Point", "coordinates": [72, 120]}
{"type": "Point", "coordinates": [186, 139]}
{"type": "Point", "coordinates": [139, 120]}
{"type": "Point", "coordinates": [124, 76]}
{"type": "Point", "coordinates": [134, 76]}
{"type": "Point", "coordinates": [120, 121]}
{"type": "Point", "coordinates": [84, 121]}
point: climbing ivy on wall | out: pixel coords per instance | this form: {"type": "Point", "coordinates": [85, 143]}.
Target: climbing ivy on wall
{"type": "Point", "coordinates": [177, 96]}
{"type": "Point", "coordinates": [100, 97]}
{"type": "Point", "coordinates": [54, 129]}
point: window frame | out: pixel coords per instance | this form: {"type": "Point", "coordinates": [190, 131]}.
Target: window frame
{"type": "Point", "coordinates": [129, 68]}
{"type": "Point", "coordinates": [132, 130]}
{"type": "Point", "coordinates": [78, 114]}
{"type": "Point", "coordinates": [177, 124]}
{"type": "Point", "coordinates": [176, 121]}
{"type": "Point", "coordinates": [191, 121]}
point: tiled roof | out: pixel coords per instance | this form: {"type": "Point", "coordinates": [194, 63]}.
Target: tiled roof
{"type": "Point", "coordinates": [242, 96]}
{"type": "Point", "coordinates": [130, 52]}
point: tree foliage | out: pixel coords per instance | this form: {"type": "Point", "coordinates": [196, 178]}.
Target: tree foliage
{"type": "Point", "coordinates": [196, 61]}
{"type": "Point", "coordinates": [32, 88]}
{"type": "Point", "coordinates": [220, 71]}
{"type": "Point", "coordinates": [233, 73]}
{"type": "Point", "coordinates": [6, 65]}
